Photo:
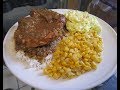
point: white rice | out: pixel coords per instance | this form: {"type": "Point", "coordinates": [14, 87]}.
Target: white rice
{"type": "Point", "coordinates": [33, 63]}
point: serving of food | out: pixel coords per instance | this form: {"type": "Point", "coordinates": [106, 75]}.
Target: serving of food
{"type": "Point", "coordinates": [76, 48]}
{"type": "Point", "coordinates": [60, 46]}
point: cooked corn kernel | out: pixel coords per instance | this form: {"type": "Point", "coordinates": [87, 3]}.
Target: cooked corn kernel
{"type": "Point", "coordinates": [87, 63]}
{"type": "Point", "coordinates": [98, 60]}
{"type": "Point", "coordinates": [87, 68]}
{"type": "Point", "coordinates": [70, 55]}
{"type": "Point", "coordinates": [55, 76]}
{"type": "Point", "coordinates": [66, 49]}
{"type": "Point", "coordinates": [93, 64]}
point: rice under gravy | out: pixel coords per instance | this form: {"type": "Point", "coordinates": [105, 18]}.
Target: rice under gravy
{"type": "Point", "coordinates": [34, 63]}
{"type": "Point", "coordinates": [37, 36]}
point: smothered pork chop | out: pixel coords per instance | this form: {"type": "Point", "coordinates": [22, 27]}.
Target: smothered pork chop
{"type": "Point", "coordinates": [38, 34]}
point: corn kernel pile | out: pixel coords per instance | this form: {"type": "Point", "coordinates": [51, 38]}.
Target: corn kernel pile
{"type": "Point", "coordinates": [77, 53]}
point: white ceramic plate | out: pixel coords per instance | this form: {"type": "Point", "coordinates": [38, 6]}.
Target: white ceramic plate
{"type": "Point", "coordinates": [88, 80]}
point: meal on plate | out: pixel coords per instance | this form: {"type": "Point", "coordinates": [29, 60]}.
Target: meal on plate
{"type": "Point", "coordinates": [62, 46]}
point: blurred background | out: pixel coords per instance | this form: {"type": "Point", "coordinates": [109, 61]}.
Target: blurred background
{"type": "Point", "coordinates": [15, 9]}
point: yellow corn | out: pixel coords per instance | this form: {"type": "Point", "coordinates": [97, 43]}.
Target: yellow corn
{"type": "Point", "coordinates": [76, 54]}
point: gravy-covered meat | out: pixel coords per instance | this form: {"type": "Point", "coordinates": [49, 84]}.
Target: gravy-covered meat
{"type": "Point", "coordinates": [42, 27]}
{"type": "Point", "coordinates": [38, 34]}
{"type": "Point", "coordinates": [49, 15]}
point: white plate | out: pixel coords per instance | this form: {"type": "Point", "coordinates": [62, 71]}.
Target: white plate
{"type": "Point", "coordinates": [88, 80]}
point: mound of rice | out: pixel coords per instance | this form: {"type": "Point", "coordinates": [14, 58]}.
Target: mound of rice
{"type": "Point", "coordinates": [33, 63]}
